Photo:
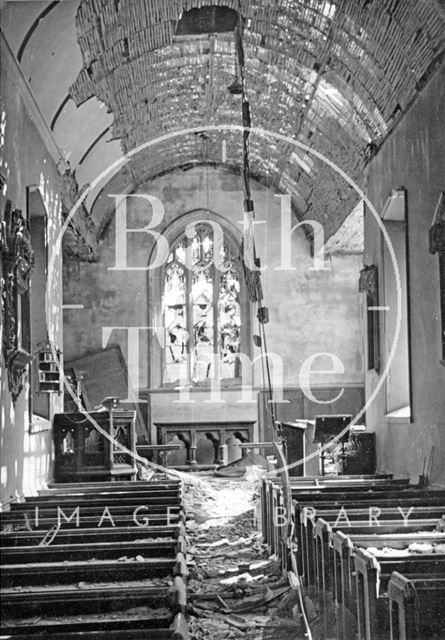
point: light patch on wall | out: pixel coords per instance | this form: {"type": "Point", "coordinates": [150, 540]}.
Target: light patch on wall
{"type": "Point", "coordinates": [4, 167]}
{"type": "Point", "coordinates": [350, 237]}
{"type": "Point", "coordinates": [52, 203]}
{"type": "Point", "coordinates": [395, 206]}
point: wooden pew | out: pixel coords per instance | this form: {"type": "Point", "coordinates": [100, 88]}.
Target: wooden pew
{"type": "Point", "coordinates": [343, 551]}
{"type": "Point", "coordinates": [114, 485]}
{"type": "Point", "coordinates": [65, 572]}
{"type": "Point", "coordinates": [270, 489]}
{"type": "Point", "coordinates": [353, 487]}
{"type": "Point", "coordinates": [103, 504]}
{"type": "Point", "coordinates": [119, 493]}
{"type": "Point", "coordinates": [343, 478]}
{"type": "Point", "coordinates": [93, 535]}
{"type": "Point", "coordinates": [176, 631]}
{"type": "Point", "coordinates": [91, 599]}
{"type": "Point", "coordinates": [336, 492]}
{"type": "Point", "coordinates": [368, 498]}
{"type": "Point", "coordinates": [345, 545]}
{"type": "Point", "coordinates": [389, 502]}
{"type": "Point", "coordinates": [272, 502]}
{"type": "Point", "coordinates": [305, 513]}
{"type": "Point", "coordinates": [334, 554]}
{"type": "Point", "coordinates": [98, 516]}
{"type": "Point", "coordinates": [389, 496]}
{"type": "Point", "coordinates": [371, 581]}
{"type": "Point", "coordinates": [93, 492]}
{"type": "Point", "coordinates": [158, 519]}
{"type": "Point", "coordinates": [93, 550]}
{"type": "Point", "coordinates": [50, 502]}
{"type": "Point", "coordinates": [416, 606]}
{"type": "Point", "coordinates": [97, 572]}
{"type": "Point", "coordinates": [390, 521]}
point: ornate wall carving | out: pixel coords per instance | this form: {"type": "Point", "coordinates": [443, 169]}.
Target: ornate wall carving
{"type": "Point", "coordinates": [17, 264]}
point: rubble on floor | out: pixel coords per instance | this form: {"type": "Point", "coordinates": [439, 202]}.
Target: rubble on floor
{"type": "Point", "coordinates": [235, 589]}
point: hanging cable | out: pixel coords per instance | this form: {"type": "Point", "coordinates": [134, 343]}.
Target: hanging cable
{"type": "Point", "coordinates": [249, 217]}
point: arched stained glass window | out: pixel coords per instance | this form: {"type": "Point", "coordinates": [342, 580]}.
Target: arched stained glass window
{"type": "Point", "coordinates": [202, 307]}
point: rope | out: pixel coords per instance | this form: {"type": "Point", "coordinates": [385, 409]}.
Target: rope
{"type": "Point", "coordinates": [308, 633]}
{"type": "Point", "coordinates": [269, 380]}
{"type": "Point", "coordinates": [49, 536]}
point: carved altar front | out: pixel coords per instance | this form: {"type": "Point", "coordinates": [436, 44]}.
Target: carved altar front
{"type": "Point", "coordinates": [204, 444]}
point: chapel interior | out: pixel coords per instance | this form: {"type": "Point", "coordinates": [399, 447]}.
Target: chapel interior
{"type": "Point", "coordinates": [222, 369]}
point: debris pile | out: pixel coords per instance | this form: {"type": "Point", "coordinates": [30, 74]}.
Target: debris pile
{"type": "Point", "coordinates": [235, 589]}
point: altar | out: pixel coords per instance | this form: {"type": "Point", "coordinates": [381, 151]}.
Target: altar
{"type": "Point", "coordinates": [204, 444]}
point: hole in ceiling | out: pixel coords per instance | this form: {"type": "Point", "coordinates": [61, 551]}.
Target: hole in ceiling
{"type": "Point", "coordinates": [207, 20]}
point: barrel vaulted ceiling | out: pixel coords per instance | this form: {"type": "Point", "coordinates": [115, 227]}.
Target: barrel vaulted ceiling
{"type": "Point", "coordinates": [337, 76]}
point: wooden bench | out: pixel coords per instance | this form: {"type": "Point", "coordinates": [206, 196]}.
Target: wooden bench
{"type": "Point", "coordinates": [101, 516]}
{"type": "Point", "coordinates": [93, 535]}
{"type": "Point", "coordinates": [66, 572]}
{"type": "Point", "coordinates": [177, 630]}
{"type": "Point", "coordinates": [371, 581]}
{"type": "Point", "coordinates": [416, 606]}
{"type": "Point", "coordinates": [82, 579]}
{"type": "Point", "coordinates": [376, 512]}
{"type": "Point", "coordinates": [310, 485]}
{"type": "Point", "coordinates": [92, 599]}
{"type": "Point", "coordinates": [334, 554]}
{"type": "Point", "coordinates": [343, 551]}
{"type": "Point", "coordinates": [306, 514]}
{"type": "Point", "coordinates": [114, 487]}
{"type": "Point", "coordinates": [387, 493]}
{"type": "Point", "coordinates": [320, 532]}
{"type": "Point", "coordinates": [108, 493]}
{"type": "Point", "coordinates": [48, 502]}
{"type": "Point", "coordinates": [343, 478]}
{"type": "Point", "coordinates": [98, 550]}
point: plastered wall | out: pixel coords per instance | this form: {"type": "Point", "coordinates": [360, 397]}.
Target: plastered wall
{"type": "Point", "coordinates": [413, 158]}
{"type": "Point", "coordinates": [26, 452]}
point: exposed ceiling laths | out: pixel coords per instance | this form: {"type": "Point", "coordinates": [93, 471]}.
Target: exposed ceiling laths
{"type": "Point", "coordinates": [335, 75]}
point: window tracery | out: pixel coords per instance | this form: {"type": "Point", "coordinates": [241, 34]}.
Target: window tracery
{"type": "Point", "coordinates": [202, 306]}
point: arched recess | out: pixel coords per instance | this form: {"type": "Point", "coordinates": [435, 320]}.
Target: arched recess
{"type": "Point", "coordinates": [157, 345]}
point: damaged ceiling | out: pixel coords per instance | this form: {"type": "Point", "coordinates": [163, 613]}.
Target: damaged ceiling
{"type": "Point", "coordinates": [334, 75]}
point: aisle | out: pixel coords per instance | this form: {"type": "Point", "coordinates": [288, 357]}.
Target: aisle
{"type": "Point", "coordinates": [235, 590]}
